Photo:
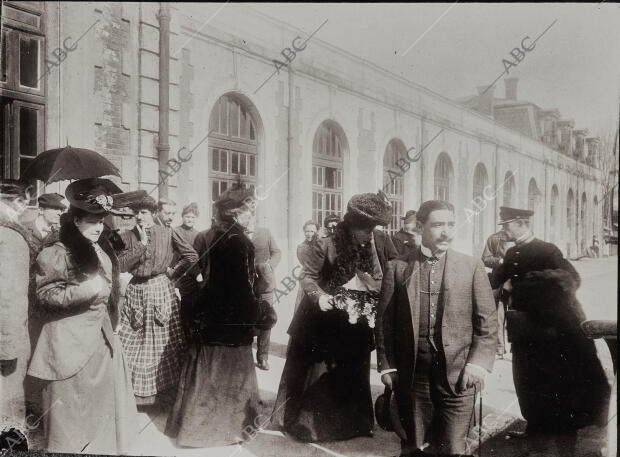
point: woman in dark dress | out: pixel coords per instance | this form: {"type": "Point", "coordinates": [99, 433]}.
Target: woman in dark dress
{"type": "Point", "coordinates": [324, 393]}
{"type": "Point", "coordinates": [218, 396]}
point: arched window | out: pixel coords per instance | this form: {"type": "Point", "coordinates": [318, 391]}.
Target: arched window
{"type": "Point", "coordinates": [570, 219]}
{"type": "Point", "coordinates": [553, 216]}
{"type": "Point", "coordinates": [533, 195]}
{"type": "Point", "coordinates": [393, 182]}
{"type": "Point", "coordinates": [595, 216]}
{"type": "Point", "coordinates": [233, 145]}
{"type": "Point", "coordinates": [509, 189]}
{"type": "Point", "coordinates": [582, 223]}
{"type": "Point", "coordinates": [480, 182]}
{"type": "Point", "coordinates": [327, 164]}
{"type": "Point", "coordinates": [443, 177]}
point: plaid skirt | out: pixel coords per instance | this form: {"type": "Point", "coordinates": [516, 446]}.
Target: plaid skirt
{"type": "Point", "coordinates": [152, 335]}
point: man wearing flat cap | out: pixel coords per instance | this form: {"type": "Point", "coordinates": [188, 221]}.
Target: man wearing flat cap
{"type": "Point", "coordinates": [407, 239]}
{"type": "Point", "coordinates": [51, 206]}
{"type": "Point", "coordinates": [549, 351]}
{"type": "Point", "coordinates": [493, 256]}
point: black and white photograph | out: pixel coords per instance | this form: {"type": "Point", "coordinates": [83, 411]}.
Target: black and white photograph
{"type": "Point", "coordinates": [309, 229]}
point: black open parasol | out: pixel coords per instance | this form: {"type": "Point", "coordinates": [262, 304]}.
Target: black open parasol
{"type": "Point", "coordinates": [68, 163]}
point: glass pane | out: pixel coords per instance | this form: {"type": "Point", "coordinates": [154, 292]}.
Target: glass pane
{"type": "Point", "coordinates": [330, 178]}
{"type": "Point", "coordinates": [223, 186]}
{"type": "Point", "coordinates": [215, 154]}
{"type": "Point", "coordinates": [215, 190]}
{"type": "Point", "coordinates": [27, 132]}
{"type": "Point", "coordinates": [3, 59]}
{"type": "Point", "coordinates": [223, 116]}
{"type": "Point", "coordinates": [235, 163]}
{"type": "Point", "coordinates": [242, 163]}
{"type": "Point", "coordinates": [28, 61]}
{"type": "Point", "coordinates": [252, 166]}
{"type": "Point", "coordinates": [243, 124]}
{"type": "Point", "coordinates": [224, 160]}
{"type": "Point", "coordinates": [252, 133]}
{"type": "Point", "coordinates": [234, 120]}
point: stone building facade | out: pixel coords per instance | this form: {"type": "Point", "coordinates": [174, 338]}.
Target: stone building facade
{"type": "Point", "coordinates": [308, 135]}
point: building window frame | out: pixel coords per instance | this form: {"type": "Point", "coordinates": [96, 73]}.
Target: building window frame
{"type": "Point", "coordinates": [328, 148]}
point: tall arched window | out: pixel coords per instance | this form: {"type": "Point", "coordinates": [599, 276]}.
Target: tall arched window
{"type": "Point", "coordinates": [480, 182]}
{"type": "Point", "coordinates": [393, 182]}
{"type": "Point", "coordinates": [595, 216]}
{"type": "Point", "coordinates": [570, 219]}
{"type": "Point", "coordinates": [509, 189]}
{"type": "Point", "coordinates": [553, 216]}
{"type": "Point", "coordinates": [582, 223]}
{"type": "Point", "coordinates": [443, 177]}
{"type": "Point", "coordinates": [533, 195]}
{"type": "Point", "coordinates": [233, 145]}
{"type": "Point", "coordinates": [327, 159]}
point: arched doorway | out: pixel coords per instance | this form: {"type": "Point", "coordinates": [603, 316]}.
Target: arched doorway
{"type": "Point", "coordinates": [553, 214]}
{"type": "Point", "coordinates": [509, 189]}
{"type": "Point", "coordinates": [570, 221]}
{"type": "Point", "coordinates": [443, 177]}
{"type": "Point", "coordinates": [480, 182]}
{"type": "Point", "coordinates": [393, 182]}
{"type": "Point", "coordinates": [233, 144]}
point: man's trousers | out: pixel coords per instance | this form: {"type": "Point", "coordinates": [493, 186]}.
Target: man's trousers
{"type": "Point", "coordinates": [430, 412]}
{"type": "Point", "coordinates": [264, 336]}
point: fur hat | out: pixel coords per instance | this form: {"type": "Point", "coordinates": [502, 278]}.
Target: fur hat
{"type": "Point", "coordinates": [369, 209]}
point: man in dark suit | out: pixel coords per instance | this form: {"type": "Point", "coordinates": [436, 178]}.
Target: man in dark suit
{"type": "Point", "coordinates": [267, 256]}
{"type": "Point", "coordinates": [492, 257]}
{"type": "Point", "coordinates": [435, 333]}
{"type": "Point", "coordinates": [407, 239]}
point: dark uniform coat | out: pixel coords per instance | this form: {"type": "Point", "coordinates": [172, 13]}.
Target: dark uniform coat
{"type": "Point", "coordinates": [559, 380]}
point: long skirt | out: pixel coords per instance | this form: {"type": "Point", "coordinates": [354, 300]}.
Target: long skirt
{"type": "Point", "coordinates": [94, 411]}
{"type": "Point", "coordinates": [152, 337]}
{"type": "Point", "coordinates": [217, 398]}
{"type": "Point", "coordinates": [317, 402]}
{"type": "Point", "coordinates": [560, 384]}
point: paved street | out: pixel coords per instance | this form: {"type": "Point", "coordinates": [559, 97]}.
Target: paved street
{"type": "Point", "coordinates": [501, 411]}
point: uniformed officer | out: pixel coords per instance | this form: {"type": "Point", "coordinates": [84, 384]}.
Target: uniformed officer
{"type": "Point", "coordinates": [533, 353]}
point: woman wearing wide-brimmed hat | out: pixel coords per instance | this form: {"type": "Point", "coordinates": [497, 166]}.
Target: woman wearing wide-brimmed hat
{"type": "Point", "coordinates": [217, 399]}
{"type": "Point", "coordinates": [324, 393]}
{"type": "Point", "coordinates": [87, 396]}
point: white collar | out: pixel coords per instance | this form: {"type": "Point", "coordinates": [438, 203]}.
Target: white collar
{"type": "Point", "coordinates": [525, 238]}
{"type": "Point", "coordinates": [428, 253]}
{"type": "Point", "coordinates": [42, 227]}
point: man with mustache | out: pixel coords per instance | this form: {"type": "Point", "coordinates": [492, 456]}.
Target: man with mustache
{"type": "Point", "coordinates": [435, 334]}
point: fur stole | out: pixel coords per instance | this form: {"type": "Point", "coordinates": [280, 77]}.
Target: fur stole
{"type": "Point", "coordinates": [85, 258]}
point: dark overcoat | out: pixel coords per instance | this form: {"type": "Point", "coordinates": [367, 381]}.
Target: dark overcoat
{"type": "Point", "coordinates": [228, 305]}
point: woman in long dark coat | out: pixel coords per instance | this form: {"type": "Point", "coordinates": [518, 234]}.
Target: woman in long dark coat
{"type": "Point", "coordinates": [87, 396]}
{"type": "Point", "coordinates": [324, 393]}
{"type": "Point", "coordinates": [218, 396]}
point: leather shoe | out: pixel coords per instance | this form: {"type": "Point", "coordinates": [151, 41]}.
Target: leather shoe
{"type": "Point", "coordinates": [262, 364]}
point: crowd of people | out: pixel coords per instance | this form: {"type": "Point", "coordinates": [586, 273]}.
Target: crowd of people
{"type": "Point", "coordinates": [83, 350]}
